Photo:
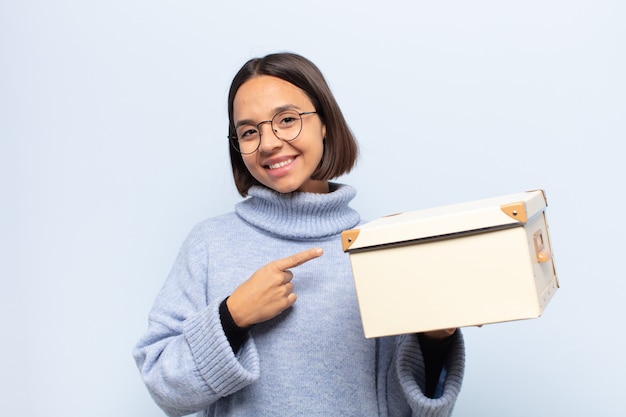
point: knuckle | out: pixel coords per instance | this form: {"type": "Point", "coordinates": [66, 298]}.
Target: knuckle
{"type": "Point", "coordinates": [283, 304]}
{"type": "Point", "coordinates": [297, 259]}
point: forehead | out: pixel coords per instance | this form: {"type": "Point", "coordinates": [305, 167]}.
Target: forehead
{"type": "Point", "coordinates": [259, 97]}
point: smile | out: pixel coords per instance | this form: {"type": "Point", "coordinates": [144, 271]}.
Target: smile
{"type": "Point", "coordinates": [280, 164]}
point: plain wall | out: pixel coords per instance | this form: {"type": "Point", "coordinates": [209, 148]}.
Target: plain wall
{"type": "Point", "coordinates": [113, 145]}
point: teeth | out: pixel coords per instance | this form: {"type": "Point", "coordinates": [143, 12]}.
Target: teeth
{"type": "Point", "coordinates": [281, 164]}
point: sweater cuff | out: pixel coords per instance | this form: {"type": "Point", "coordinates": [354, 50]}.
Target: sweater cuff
{"type": "Point", "coordinates": [411, 374]}
{"type": "Point", "coordinates": [224, 372]}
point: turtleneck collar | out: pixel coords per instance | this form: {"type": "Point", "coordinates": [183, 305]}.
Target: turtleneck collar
{"type": "Point", "coordinates": [300, 215]}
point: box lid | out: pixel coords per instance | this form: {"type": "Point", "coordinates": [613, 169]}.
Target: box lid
{"type": "Point", "coordinates": [446, 221]}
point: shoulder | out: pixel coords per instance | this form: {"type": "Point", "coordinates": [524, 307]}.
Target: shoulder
{"type": "Point", "coordinates": [214, 225]}
{"type": "Point", "coordinates": [207, 235]}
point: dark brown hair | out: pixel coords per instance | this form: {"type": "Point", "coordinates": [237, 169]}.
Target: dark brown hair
{"type": "Point", "coordinates": [340, 147]}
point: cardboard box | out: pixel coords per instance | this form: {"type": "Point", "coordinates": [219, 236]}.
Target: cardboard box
{"type": "Point", "coordinates": [467, 264]}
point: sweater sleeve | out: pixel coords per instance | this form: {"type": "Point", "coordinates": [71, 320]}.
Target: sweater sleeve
{"type": "Point", "coordinates": [405, 379]}
{"type": "Point", "coordinates": [185, 358]}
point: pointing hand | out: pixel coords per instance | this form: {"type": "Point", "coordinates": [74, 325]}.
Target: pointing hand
{"type": "Point", "coordinates": [269, 291]}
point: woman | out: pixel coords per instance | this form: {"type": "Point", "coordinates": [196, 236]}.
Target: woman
{"type": "Point", "coordinates": [228, 336]}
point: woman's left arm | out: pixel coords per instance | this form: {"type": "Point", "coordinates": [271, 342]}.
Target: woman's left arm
{"type": "Point", "coordinates": [406, 377]}
{"type": "Point", "coordinates": [435, 346]}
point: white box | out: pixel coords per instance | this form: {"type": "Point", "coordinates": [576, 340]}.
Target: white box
{"type": "Point", "coordinates": [466, 264]}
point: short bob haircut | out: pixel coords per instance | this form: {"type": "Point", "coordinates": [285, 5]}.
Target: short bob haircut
{"type": "Point", "coordinates": [340, 147]}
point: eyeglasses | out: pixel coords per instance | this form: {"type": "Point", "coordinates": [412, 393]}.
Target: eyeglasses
{"type": "Point", "coordinates": [286, 126]}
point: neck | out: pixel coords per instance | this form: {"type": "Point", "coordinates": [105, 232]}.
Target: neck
{"type": "Point", "coordinates": [316, 187]}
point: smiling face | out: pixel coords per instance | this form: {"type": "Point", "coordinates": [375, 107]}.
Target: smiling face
{"type": "Point", "coordinates": [277, 164]}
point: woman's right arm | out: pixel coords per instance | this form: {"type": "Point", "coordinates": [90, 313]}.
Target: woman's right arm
{"type": "Point", "coordinates": [184, 358]}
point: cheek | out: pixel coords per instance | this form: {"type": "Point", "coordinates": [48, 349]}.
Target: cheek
{"type": "Point", "coordinates": [250, 162]}
{"type": "Point", "coordinates": [323, 141]}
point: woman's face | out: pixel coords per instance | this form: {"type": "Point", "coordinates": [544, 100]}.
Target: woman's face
{"type": "Point", "coordinates": [277, 164]}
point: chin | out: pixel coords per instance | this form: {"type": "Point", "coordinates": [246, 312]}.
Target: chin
{"type": "Point", "coordinates": [318, 187]}
{"type": "Point", "coordinates": [286, 190]}
{"type": "Point", "coordinates": [282, 188]}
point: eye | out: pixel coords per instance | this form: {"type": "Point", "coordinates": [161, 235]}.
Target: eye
{"type": "Point", "coordinates": [287, 119]}
{"type": "Point", "coordinates": [247, 133]}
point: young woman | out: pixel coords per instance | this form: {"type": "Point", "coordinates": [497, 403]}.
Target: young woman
{"type": "Point", "coordinates": [228, 336]}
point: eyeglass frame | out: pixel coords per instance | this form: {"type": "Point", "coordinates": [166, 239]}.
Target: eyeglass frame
{"type": "Point", "coordinates": [235, 137]}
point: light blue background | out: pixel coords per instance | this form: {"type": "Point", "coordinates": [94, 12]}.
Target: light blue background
{"type": "Point", "coordinates": [112, 146]}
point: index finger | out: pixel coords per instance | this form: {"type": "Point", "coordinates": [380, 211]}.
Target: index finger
{"type": "Point", "coordinates": [298, 258]}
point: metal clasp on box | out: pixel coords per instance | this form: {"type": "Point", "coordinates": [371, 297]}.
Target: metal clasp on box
{"type": "Point", "coordinates": [541, 250]}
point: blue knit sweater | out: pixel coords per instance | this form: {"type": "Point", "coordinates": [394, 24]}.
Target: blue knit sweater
{"type": "Point", "coordinates": [311, 360]}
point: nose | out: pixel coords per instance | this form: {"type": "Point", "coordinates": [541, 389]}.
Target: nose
{"type": "Point", "coordinates": [269, 140]}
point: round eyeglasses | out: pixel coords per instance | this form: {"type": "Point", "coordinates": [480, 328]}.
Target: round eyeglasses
{"type": "Point", "coordinates": [286, 126]}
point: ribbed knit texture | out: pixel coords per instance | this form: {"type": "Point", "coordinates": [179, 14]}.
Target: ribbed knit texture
{"type": "Point", "coordinates": [300, 216]}
{"type": "Point", "coordinates": [311, 360]}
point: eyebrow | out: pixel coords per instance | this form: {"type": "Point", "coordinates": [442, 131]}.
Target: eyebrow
{"type": "Point", "coordinates": [276, 110]}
